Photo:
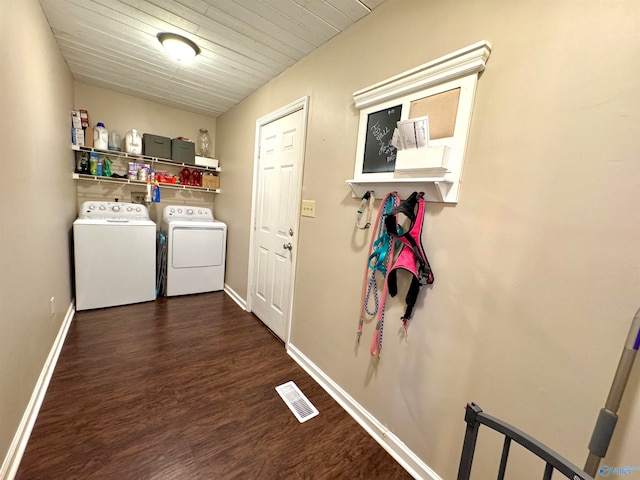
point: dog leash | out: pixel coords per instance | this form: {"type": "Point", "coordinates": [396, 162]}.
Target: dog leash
{"type": "Point", "coordinates": [365, 204]}
{"type": "Point", "coordinates": [381, 249]}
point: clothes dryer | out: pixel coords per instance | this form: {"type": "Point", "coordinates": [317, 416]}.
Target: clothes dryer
{"type": "Point", "coordinates": [114, 247]}
{"type": "Point", "coordinates": [196, 250]}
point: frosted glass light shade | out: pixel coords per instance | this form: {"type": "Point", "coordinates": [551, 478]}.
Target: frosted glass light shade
{"type": "Point", "coordinates": [178, 47]}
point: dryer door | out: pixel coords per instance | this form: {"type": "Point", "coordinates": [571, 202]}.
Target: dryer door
{"type": "Point", "coordinates": [197, 247]}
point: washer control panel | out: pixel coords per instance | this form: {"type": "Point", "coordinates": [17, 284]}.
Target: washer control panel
{"type": "Point", "coordinates": [187, 213]}
{"type": "Point", "coordinates": [114, 211]}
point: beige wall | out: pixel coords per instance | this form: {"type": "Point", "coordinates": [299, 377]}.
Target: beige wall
{"type": "Point", "coordinates": [37, 203]}
{"type": "Point", "coordinates": [537, 265]}
{"type": "Point", "coordinates": [37, 95]}
{"type": "Point", "coordinates": [121, 112]}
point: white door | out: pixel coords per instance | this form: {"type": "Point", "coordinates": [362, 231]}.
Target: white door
{"type": "Point", "coordinates": [276, 209]}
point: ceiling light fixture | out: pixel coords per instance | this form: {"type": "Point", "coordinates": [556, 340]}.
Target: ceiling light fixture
{"type": "Point", "coordinates": [178, 47]}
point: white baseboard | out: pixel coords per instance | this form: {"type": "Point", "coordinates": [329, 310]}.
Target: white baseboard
{"type": "Point", "coordinates": [235, 297]}
{"type": "Point", "coordinates": [21, 438]}
{"type": "Point", "coordinates": [392, 444]}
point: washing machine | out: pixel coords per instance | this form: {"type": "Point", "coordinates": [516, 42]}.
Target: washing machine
{"type": "Point", "coordinates": [196, 250]}
{"type": "Point", "coordinates": [115, 255]}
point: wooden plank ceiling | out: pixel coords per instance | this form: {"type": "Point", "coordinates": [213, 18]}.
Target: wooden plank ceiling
{"type": "Point", "coordinates": [244, 43]}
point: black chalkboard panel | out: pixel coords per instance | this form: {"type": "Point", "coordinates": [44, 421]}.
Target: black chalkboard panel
{"type": "Point", "coordinates": [379, 154]}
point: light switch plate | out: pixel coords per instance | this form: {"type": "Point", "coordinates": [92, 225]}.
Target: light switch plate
{"type": "Point", "coordinates": [309, 208]}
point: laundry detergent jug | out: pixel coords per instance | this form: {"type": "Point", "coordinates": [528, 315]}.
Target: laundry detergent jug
{"type": "Point", "coordinates": [100, 137]}
{"type": "Point", "coordinates": [115, 142]}
{"type": "Point", "coordinates": [133, 142]}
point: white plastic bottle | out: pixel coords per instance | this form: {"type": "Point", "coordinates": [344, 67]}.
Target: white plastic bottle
{"type": "Point", "coordinates": [133, 142]}
{"type": "Point", "coordinates": [115, 142]}
{"type": "Point", "coordinates": [100, 137]}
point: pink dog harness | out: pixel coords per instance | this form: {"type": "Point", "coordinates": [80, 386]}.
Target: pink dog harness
{"type": "Point", "coordinates": [412, 257]}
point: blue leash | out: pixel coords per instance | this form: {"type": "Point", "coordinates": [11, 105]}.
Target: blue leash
{"type": "Point", "coordinates": [378, 259]}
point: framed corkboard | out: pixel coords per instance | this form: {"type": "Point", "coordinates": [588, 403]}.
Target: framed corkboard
{"type": "Point", "coordinates": [442, 109]}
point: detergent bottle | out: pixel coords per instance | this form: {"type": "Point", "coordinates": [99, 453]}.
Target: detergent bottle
{"type": "Point", "coordinates": [100, 137]}
{"type": "Point", "coordinates": [115, 142]}
{"type": "Point", "coordinates": [133, 142]}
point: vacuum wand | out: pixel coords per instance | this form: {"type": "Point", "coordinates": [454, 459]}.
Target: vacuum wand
{"type": "Point", "coordinates": [608, 416]}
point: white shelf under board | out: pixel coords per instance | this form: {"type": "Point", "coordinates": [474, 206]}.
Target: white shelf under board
{"type": "Point", "coordinates": [435, 189]}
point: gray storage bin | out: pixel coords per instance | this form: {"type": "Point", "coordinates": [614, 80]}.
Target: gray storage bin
{"type": "Point", "coordinates": [156, 146]}
{"type": "Point", "coordinates": [183, 152]}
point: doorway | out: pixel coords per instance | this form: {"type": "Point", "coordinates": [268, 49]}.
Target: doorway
{"type": "Point", "coordinates": [279, 158]}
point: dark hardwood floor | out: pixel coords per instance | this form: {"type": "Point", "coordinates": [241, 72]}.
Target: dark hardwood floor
{"type": "Point", "coordinates": [183, 388]}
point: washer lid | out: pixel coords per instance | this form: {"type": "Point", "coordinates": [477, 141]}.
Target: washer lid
{"type": "Point", "coordinates": [115, 222]}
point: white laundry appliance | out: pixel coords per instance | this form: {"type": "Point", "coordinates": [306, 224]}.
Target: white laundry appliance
{"type": "Point", "coordinates": [115, 255]}
{"type": "Point", "coordinates": [196, 250]}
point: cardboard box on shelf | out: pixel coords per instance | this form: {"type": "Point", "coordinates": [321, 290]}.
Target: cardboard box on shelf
{"type": "Point", "coordinates": [84, 118]}
{"type": "Point", "coordinates": [77, 137]}
{"type": "Point", "coordinates": [76, 121]}
{"type": "Point", "coordinates": [88, 137]}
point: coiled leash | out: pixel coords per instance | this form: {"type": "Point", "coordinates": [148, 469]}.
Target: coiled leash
{"type": "Point", "coordinates": [370, 283]}
{"type": "Point", "coordinates": [381, 248]}
{"type": "Point", "coordinates": [365, 204]}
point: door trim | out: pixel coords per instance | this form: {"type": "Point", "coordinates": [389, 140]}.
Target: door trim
{"type": "Point", "coordinates": [299, 104]}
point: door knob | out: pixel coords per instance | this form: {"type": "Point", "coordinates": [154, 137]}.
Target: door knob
{"type": "Point", "coordinates": [287, 246]}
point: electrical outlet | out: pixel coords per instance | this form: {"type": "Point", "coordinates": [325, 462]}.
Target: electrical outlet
{"type": "Point", "coordinates": [309, 208]}
{"type": "Point", "coordinates": [52, 307]}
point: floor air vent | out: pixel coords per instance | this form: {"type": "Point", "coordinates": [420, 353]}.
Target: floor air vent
{"type": "Point", "coordinates": [296, 401]}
